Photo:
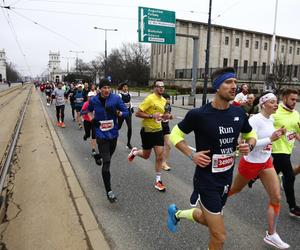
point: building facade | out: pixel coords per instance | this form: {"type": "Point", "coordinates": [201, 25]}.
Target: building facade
{"type": "Point", "coordinates": [2, 66]}
{"type": "Point", "coordinates": [55, 72]}
{"type": "Point", "coordinates": [247, 51]}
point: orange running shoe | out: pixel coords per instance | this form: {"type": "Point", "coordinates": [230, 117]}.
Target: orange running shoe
{"type": "Point", "coordinates": [63, 125]}
{"type": "Point", "coordinates": [58, 124]}
{"type": "Point", "coordinates": [160, 186]}
{"type": "Point", "coordinates": [131, 154]}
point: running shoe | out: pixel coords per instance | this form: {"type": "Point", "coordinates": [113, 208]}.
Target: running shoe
{"type": "Point", "coordinates": [131, 154]}
{"type": "Point", "coordinates": [63, 125]}
{"type": "Point", "coordinates": [295, 212]}
{"type": "Point", "coordinates": [93, 152]}
{"type": "Point", "coordinates": [80, 126]}
{"type": "Point", "coordinates": [58, 124]}
{"type": "Point", "coordinates": [111, 197]}
{"type": "Point", "coordinates": [129, 146]}
{"type": "Point", "coordinates": [98, 159]}
{"type": "Point", "coordinates": [160, 186]}
{"type": "Point", "coordinates": [48, 104]}
{"type": "Point", "coordinates": [84, 138]}
{"type": "Point", "coordinates": [73, 119]}
{"type": "Point", "coordinates": [165, 166]}
{"type": "Point", "coordinates": [172, 220]}
{"type": "Point", "coordinates": [274, 240]}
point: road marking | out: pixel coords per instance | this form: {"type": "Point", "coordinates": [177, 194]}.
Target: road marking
{"type": "Point", "coordinates": [179, 117]}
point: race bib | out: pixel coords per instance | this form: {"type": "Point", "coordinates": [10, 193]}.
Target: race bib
{"type": "Point", "coordinates": [267, 148]}
{"type": "Point", "coordinates": [106, 125]}
{"type": "Point", "coordinates": [290, 136]}
{"type": "Point", "coordinates": [79, 100]}
{"type": "Point", "coordinates": [222, 162]}
{"type": "Point", "coordinates": [60, 98]}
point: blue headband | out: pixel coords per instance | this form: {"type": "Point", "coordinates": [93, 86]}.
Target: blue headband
{"type": "Point", "coordinates": [222, 78]}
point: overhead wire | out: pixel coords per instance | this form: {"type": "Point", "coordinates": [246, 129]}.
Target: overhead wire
{"type": "Point", "coordinates": [111, 5]}
{"type": "Point", "coordinates": [14, 33]}
{"type": "Point", "coordinates": [46, 28]}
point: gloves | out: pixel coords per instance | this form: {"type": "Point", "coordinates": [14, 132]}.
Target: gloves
{"type": "Point", "coordinates": [95, 123]}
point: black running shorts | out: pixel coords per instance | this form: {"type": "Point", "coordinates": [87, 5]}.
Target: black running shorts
{"type": "Point", "coordinates": [212, 201]}
{"type": "Point", "coordinates": [165, 128]}
{"type": "Point", "coordinates": [78, 108]}
{"type": "Point", "coordinates": [151, 139]}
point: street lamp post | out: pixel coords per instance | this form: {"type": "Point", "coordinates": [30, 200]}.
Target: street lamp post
{"type": "Point", "coordinates": [105, 52]}
{"type": "Point", "coordinates": [76, 52]}
{"type": "Point", "coordinates": [68, 57]}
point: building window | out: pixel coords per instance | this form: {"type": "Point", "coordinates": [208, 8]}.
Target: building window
{"type": "Point", "coordinates": [247, 43]}
{"type": "Point", "coordinates": [165, 48]}
{"type": "Point", "coordinates": [298, 51]}
{"type": "Point", "coordinates": [254, 67]}
{"type": "Point", "coordinates": [264, 67]}
{"type": "Point", "coordinates": [245, 67]}
{"type": "Point", "coordinates": [158, 74]}
{"type": "Point", "coordinates": [291, 50]}
{"type": "Point", "coordinates": [154, 48]}
{"type": "Point", "coordinates": [159, 49]}
{"type": "Point", "coordinates": [226, 40]}
{"type": "Point", "coordinates": [237, 42]}
{"type": "Point", "coordinates": [225, 62]}
{"type": "Point", "coordinates": [256, 44]}
{"type": "Point", "coordinates": [171, 48]}
{"type": "Point", "coordinates": [282, 49]}
{"type": "Point", "coordinates": [164, 75]}
{"type": "Point", "coordinates": [266, 46]}
{"type": "Point", "coordinates": [235, 64]}
{"type": "Point", "coordinates": [295, 71]}
{"type": "Point", "coordinates": [275, 47]}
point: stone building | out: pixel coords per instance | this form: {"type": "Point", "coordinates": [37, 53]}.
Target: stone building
{"type": "Point", "coordinates": [2, 66]}
{"type": "Point", "coordinates": [247, 51]}
{"type": "Point", "coordinates": [55, 72]}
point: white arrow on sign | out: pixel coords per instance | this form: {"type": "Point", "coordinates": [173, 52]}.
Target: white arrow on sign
{"type": "Point", "coordinates": [142, 24]}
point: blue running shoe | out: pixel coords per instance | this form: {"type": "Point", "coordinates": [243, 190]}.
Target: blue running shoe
{"type": "Point", "coordinates": [172, 220]}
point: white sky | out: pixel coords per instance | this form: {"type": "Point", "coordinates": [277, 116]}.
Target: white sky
{"type": "Point", "coordinates": [62, 31]}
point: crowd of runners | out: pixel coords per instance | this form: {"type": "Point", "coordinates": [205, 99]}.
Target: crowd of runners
{"type": "Point", "coordinates": [257, 129]}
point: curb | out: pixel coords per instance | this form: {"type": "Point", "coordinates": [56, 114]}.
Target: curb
{"type": "Point", "coordinates": [95, 237]}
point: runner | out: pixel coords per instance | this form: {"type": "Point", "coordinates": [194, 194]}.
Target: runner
{"type": "Point", "coordinates": [259, 164]}
{"type": "Point", "coordinates": [217, 126]}
{"type": "Point", "coordinates": [59, 95]}
{"type": "Point", "coordinates": [151, 110]}
{"type": "Point", "coordinates": [126, 98]}
{"type": "Point", "coordinates": [286, 116]}
{"type": "Point", "coordinates": [166, 133]}
{"type": "Point", "coordinates": [70, 95]}
{"type": "Point", "coordinates": [79, 98]}
{"type": "Point", "coordinates": [48, 91]}
{"type": "Point", "coordinates": [88, 125]}
{"type": "Point", "coordinates": [241, 97]}
{"type": "Point", "coordinates": [103, 111]}
{"type": "Point", "coordinates": [249, 107]}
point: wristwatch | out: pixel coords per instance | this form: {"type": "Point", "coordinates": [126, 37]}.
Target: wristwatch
{"type": "Point", "coordinates": [191, 156]}
{"type": "Point", "coordinates": [150, 116]}
{"type": "Point", "coordinates": [250, 147]}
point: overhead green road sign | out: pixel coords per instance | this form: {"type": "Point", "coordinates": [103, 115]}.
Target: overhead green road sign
{"type": "Point", "coordinates": [156, 26]}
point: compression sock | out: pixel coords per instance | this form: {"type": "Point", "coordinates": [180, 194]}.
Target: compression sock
{"type": "Point", "coordinates": [185, 214]}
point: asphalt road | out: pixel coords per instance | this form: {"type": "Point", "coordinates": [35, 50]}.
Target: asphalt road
{"type": "Point", "coordinates": [138, 219]}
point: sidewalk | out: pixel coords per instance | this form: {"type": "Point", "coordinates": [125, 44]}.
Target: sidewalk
{"type": "Point", "coordinates": [46, 208]}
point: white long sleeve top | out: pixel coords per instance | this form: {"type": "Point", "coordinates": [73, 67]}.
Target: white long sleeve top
{"type": "Point", "coordinates": [264, 127]}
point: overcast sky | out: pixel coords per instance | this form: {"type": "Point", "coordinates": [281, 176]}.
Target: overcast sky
{"type": "Point", "coordinates": [64, 25]}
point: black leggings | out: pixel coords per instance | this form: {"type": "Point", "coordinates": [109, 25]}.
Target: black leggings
{"type": "Point", "coordinates": [282, 163]}
{"type": "Point", "coordinates": [73, 109]}
{"type": "Point", "coordinates": [106, 150]}
{"type": "Point", "coordinates": [60, 110]}
{"type": "Point", "coordinates": [129, 125]}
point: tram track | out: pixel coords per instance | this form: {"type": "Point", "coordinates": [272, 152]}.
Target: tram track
{"type": "Point", "coordinates": [9, 133]}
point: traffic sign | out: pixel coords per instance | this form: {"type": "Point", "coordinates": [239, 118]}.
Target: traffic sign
{"type": "Point", "coordinates": [156, 26]}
